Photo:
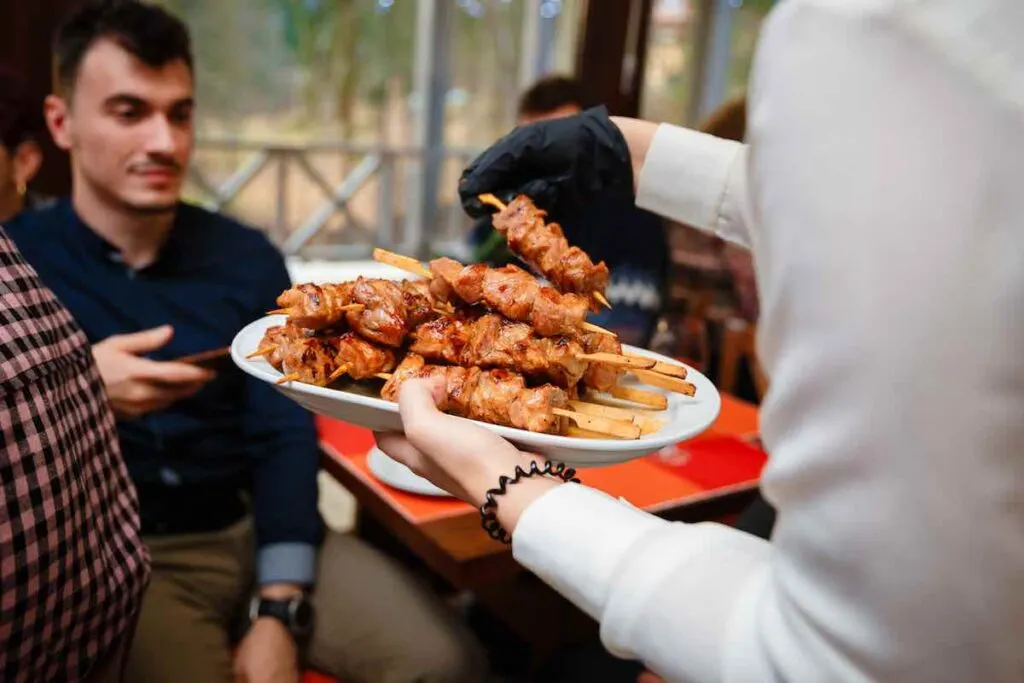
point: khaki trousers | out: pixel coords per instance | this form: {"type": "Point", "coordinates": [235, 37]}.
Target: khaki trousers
{"type": "Point", "coordinates": [375, 623]}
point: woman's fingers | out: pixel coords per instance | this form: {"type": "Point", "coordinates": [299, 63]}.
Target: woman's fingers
{"type": "Point", "coordinates": [447, 440]}
{"type": "Point", "coordinates": [397, 447]}
{"type": "Point", "coordinates": [461, 457]}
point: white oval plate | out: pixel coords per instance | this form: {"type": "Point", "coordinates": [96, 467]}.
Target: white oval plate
{"type": "Point", "coordinates": [397, 475]}
{"type": "Point", "coordinates": [684, 419]}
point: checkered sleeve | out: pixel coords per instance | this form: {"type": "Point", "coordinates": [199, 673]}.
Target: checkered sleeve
{"type": "Point", "coordinates": [72, 566]}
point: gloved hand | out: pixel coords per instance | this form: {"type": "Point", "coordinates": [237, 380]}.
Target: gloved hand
{"type": "Point", "coordinates": [573, 159]}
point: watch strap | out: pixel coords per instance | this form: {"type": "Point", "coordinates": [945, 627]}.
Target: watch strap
{"type": "Point", "coordinates": [279, 609]}
{"type": "Point", "coordinates": [287, 611]}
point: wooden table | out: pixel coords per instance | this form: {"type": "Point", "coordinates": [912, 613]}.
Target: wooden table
{"type": "Point", "coordinates": [710, 477]}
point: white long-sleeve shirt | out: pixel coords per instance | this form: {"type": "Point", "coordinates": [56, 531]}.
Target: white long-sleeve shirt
{"type": "Point", "coordinates": [882, 194]}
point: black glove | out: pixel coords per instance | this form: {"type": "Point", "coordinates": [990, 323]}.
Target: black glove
{"type": "Point", "coordinates": [572, 159]}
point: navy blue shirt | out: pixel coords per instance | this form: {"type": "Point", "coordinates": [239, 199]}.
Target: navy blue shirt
{"type": "Point", "coordinates": [631, 241]}
{"type": "Point", "coordinates": [211, 278]}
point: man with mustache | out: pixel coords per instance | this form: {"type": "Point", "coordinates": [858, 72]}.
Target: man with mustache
{"type": "Point", "coordinates": [225, 467]}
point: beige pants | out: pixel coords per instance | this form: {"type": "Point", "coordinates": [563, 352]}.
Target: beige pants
{"type": "Point", "coordinates": [375, 623]}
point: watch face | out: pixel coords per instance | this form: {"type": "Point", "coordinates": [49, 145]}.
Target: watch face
{"type": "Point", "coordinates": [302, 616]}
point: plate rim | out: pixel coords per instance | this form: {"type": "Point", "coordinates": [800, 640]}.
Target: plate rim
{"type": "Point", "coordinates": [263, 371]}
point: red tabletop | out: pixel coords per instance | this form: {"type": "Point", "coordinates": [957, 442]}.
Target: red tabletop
{"type": "Point", "coordinates": [718, 462]}
{"type": "Point", "coordinates": [719, 467]}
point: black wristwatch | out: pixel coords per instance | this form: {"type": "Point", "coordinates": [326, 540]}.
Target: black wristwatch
{"type": "Point", "coordinates": [295, 613]}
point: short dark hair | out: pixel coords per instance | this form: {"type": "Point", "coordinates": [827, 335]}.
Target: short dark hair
{"type": "Point", "coordinates": [551, 93]}
{"type": "Point", "coordinates": [147, 31]}
{"type": "Point", "coordinates": [21, 117]}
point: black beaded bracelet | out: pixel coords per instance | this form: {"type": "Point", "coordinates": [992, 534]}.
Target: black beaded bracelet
{"type": "Point", "coordinates": [488, 515]}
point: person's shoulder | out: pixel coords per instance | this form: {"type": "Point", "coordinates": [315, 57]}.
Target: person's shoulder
{"type": "Point", "coordinates": [223, 231]}
{"type": "Point", "coordinates": [978, 39]}
{"type": "Point", "coordinates": [219, 224]}
{"type": "Point", "coordinates": [34, 223]}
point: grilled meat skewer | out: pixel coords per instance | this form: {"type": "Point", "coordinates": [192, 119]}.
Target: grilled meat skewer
{"type": "Point", "coordinates": [544, 247]}
{"type": "Point", "coordinates": [495, 396]}
{"type": "Point", "coordinates": [384, 311]}
{"type": "Point", "coordinates": [491, 341]}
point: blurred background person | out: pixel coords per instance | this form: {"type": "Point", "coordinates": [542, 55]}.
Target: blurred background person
{"type": "Point", "coordinates": [21, 123]}
{"type": "Point", "coordinates": [629, 240]}
{"type": "Point", "coordinates": [729, 122]}
{"type": "Point", "coordinates": [722, 301]}
{"type": "Point", "coordinates": [712, 281]}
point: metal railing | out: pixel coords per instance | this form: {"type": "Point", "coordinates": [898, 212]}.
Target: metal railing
{"type": "Point", "coordinates": [395, 219]}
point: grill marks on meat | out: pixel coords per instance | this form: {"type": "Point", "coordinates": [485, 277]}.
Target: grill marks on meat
{"type": "Point", "coordinates": [278, 337]}
{"type": "Point", "coordinates": [495, 396]}
{"type": "Point", "coordinates": [390, 309]}
{"type": "Point", "coordinates": [310, 360]}
{"type": "Point", "coordinates": [514, 293]}
{"type": "Point", "coordinates": [362, 360]}
{"type": "Point", "coordinates": [491, 341]}
{"type": "Point", "coordinates": [384, 318]}
{"type": "Point", "coordinates": [315, 306]}
{"type": "Point", "coordinates": [314, 359]}
{"type": "Point", "coordinates": [545, 248]}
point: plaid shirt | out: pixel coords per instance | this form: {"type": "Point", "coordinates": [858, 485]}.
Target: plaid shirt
{"type": "Point", "coordinates": [72, 566]}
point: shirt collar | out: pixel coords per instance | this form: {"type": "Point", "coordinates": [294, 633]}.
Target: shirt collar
{"type": "Point", "coordinates": [98, 246]}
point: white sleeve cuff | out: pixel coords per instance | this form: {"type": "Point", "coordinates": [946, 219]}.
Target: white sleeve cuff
{"type": "Point", "coordinates": [696, 179]}
{"type": "Point", "coordinates": [669, 594]}
{"type": "Point", "coordinates": [573, 537]}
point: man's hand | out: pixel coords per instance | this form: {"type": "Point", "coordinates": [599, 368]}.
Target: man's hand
{"type": "Point", "coordinates": [136, 385]}
{"type": "Point", "coordinates": [267, 654]}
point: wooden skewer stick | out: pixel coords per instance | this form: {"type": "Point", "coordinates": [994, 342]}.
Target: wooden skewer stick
{"type": "Point", "coordinates": [577, 433]}
{"type": "Point", "coordinates": [262, 351]}
{"type": "Point", "coordinates": [647, 424]}
{"type": "Point", "coordinates": [611, 412]}
{"type": "Point", "coordinates": [605, 426]}
{"type": "Point", "coordinates": [663, 382]}
{"type": "Point", "coordinates": [645, 398]}
{"type": "Point", "coordinates": [337, 373]}
{"type": "Point", "coordinates": [406, 263]}
{"type": "Point", "coordinates": [288, 378]}
{"type": "Point", "coordinates": [651, 427]}
{"type": "Point", "coordinates": [593, 423]}
{"type": "Point", "coordinates": [622, 361]}
{"type": "Point", "coordinates": [490, 199]}
{"type": "Point", "coordinates": [663, 368]}
{"type": "Point", "coordinates": [278, 311]}
{"type": "Point", "coordinates": [591, 327]}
